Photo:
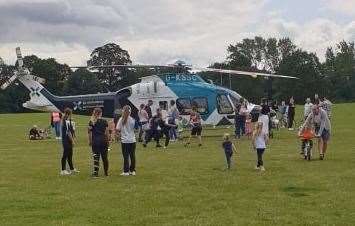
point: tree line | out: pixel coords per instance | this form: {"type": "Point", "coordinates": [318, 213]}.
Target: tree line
{"type": "Point", "coordinates": [333, 78]}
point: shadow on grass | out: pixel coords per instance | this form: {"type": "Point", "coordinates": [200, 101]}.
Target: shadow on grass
{"type": "Point", "coordinates": [299, 192]}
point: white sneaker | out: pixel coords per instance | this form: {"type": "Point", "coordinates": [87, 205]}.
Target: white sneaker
{"type": "Point", "coordinates": [262, 168]}
{"type": "Point", "coordinates": [290, 129]}
{"type": "Point", "coordinates": [75, 171]}
{"type": "Point", "coordinates": [132, 173]}
{"type": "Point", "coordinates": [257, 168]}
{"type": "Point", "coordinates": [124, 174]}
{"type": "Point", "coordinates": [64, 172]}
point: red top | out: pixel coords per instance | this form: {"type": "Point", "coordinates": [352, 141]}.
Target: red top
{"type": "Point", "coordinates": [307, 134]}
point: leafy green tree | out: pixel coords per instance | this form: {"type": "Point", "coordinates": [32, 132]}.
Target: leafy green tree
{"type": "Point", "coordinates": [111, 54]}
{"type": "Point", "coordinates": [82, 81]}
{"type": "Point", "coordinates": [257, 54]}
{"type": "Point", "coordinates": [339, 69]}
{"type": "Point", "coordinates": [308, 69]}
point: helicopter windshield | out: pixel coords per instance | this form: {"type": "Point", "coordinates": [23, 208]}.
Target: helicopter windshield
{"type": "Point", "coordinates": [236, 98]}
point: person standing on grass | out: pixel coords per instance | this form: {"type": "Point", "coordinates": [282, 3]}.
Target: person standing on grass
{"type": "Point", "coordinates": [99, 137]}
{"type": "Point", "coordinates": [291, 113]}
{"type": "Point", "coordinates": [283, 114]}
{"type": "Point", "coordinates": [238, 119]}
{"type": "Point", "coordinates": [319, 118]}
{"type": "Point", "coordinates": [143, 122]}
{"type": "Point", "coordinates": [125, 129]}
{"type": "Point", "coordinates": [264, 116]}
{"type": "Point", "coordinates": [56, 117]}
{"type": "Point", "coordinates": [158, 128]}
{"type": "Point", "coordinates": [241, 112]}
{"type": "Point", "coordinates": [307, 108]}
{"type": "Point", "coordinates": [260, 140]}
{"type": "Point", "coordinates": [173, 115]}
{"type": "Point", "coordinates": [327, 106]}
{"type": "Point", "coordinates": [228, 148]}
{"type": "Point", "coordinates": [196, 126]}
{"type": "Point", "coordinates": [148, 109]}
{"type": "Point", "coordinates": [68, 134]}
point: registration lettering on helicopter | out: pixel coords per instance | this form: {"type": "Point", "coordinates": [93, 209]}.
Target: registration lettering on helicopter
{"type": "Point", "coordinates": [181, 78]}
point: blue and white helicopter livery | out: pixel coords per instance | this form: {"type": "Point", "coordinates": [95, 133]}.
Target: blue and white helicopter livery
{"type": "Point", "coordinates": [188, 89]}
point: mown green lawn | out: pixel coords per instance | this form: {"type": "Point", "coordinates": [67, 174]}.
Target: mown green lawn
{"type": "Point", "coordinates": [179, 186]}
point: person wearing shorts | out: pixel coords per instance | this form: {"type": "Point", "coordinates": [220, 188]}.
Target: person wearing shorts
{"type": "Point", "coordinates": [196, 127]}
{"type": "Point", "coordinates": [322, 126]}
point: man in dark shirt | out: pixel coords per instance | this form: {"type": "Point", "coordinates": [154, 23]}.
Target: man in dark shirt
{"type": "Point", "coordinates": [149, 109]}
{"type": "Point", "coordinates": [158, 127]}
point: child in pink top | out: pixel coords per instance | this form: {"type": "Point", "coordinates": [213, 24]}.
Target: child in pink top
{"type": "Point", "coordinates": [248, 127]}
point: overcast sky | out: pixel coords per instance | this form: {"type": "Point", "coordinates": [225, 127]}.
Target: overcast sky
{"type": "Point", "coordinates": [161, 31]}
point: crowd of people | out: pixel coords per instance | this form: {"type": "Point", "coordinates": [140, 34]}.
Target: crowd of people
{"type": "Point", "coordinates": [166, 122]}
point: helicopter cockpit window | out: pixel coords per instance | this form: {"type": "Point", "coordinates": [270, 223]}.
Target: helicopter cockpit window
{"type": "Point", "coordinates": [234, 99]}
{"type": "Point", "coordinates": [201, 104]}
{"type": "Point", "coordinates": [184, 106]}
{"type": "Point", "coordinates": [223, 104]}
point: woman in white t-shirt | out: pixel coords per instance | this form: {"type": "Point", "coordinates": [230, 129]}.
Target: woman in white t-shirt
{"type": "Point", "coordinates": [125, 129]}
{"type": "Point", "coordinates": [260, 140]}
{"type": "Point", "coordinates": [143, 122]}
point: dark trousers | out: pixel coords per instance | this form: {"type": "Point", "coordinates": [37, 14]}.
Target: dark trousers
{"type": "Point", "coordinates": [152, 133]}
{"type": "Point", "coordinates": [129, 157]}
{"type": "Point", "coordinates": [67, 156]}
{"type": "Point", "coordinates": [56, 126]}
{"type": "Point", "coordinates": [260, 152]}
{"type": "Point", "coordinates": [98, 151]}
{"type": "Point", "coordinates": [156, 134]}
{"type": "Point", "coordinates": [291, 117]}
{"type": "Point", "coordinates": [239, 126]}
{"type": "Point", "coordinates": [228, 157]}
{"type": "Point", "coordinates": [166, 133]}
{"type": "Point", "coordinates": [173, 133]}
{"type": "Point", "coordinates": [141, 131]}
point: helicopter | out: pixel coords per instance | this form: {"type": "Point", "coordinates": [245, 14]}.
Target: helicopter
{"type": "Point", "coordinates": [215, 104]}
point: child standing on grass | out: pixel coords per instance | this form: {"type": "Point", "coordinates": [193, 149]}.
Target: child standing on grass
{"type": "Point", "coordinates": [248, 127]}
{"type": "Point", "coordinates": [180, 127]}
{"type": "Point", "coordinates": [260, 140]}
{"type": "Point", "coordinates": [228, 148]}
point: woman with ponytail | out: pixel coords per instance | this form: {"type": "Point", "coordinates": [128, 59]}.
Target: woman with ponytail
{"type": "Point", "coordinates": [98, 140]}
{"type": "Point", "coordinates": [68, 134]}
{"type": "Point", "coordinates": [125, 129]}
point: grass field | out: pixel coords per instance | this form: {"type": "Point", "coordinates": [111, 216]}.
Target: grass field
{"type": "Point", "coordinates": [179, 186]}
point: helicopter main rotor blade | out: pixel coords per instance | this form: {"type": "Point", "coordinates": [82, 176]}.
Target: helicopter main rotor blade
{"type": "Point", "coordinates": [124, 66]}
{"type": "Point", "coordinates": [9, 82]}
{"type": "Point", "coordinates": [242, 73]}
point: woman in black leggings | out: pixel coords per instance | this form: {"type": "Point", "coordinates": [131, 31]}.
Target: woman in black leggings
{"type": "Point", "coordinates": [68, 135]}
{"type": "Point", "coordinates": [99, 140]}
{"type": "Point", "coordinates": [291, 113]}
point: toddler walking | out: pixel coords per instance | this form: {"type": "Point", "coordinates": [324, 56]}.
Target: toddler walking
{"type": "Point", "coordinates": [228, 148]}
